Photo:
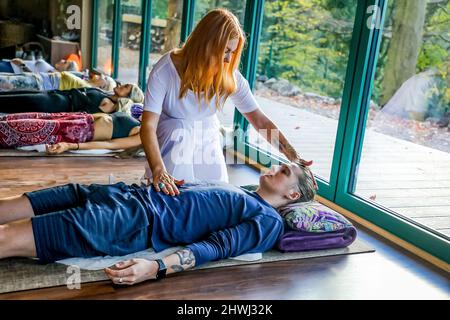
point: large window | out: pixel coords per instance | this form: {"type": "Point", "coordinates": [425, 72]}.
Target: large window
{"type": "Point", "coordinates": [165, 30]}
{"type": "Point", "coordinates": [130, 41]}
{"type": "Point", "coordinates": [405, 160]}
{"type": "Point", "coordinates": [203, 6]}
{"type": "Point", "coordinates": [104, 34]}
{"type": "Point", "coordinates": [302, 64]}
{"type": "Point", "coordinates": [122, 36]}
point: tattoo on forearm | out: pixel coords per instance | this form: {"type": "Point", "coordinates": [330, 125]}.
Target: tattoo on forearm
{"type": "Point", "coordinates": [187, 260]}
{"type": "Point", "coordinates": [177, 268]}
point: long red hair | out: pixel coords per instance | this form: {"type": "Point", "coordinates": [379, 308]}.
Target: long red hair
{"type": "Point", "coordinates": [202, 55]}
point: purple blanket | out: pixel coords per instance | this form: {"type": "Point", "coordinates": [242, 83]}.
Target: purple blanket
{"type": "Point", "coordinates": [293, 241]}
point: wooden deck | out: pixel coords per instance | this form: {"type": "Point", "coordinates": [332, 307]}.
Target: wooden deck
{"type": "Point", "coordinates": [407, 178]}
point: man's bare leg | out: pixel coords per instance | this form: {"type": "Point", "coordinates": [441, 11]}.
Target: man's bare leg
{"type": "Point", "coordinates": [15, 208]}
{"type": "Point", "coordinates": [17, 239]}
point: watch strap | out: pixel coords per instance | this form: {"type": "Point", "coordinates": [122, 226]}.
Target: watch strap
{"type": "Point", "coordinates": [162, 269]}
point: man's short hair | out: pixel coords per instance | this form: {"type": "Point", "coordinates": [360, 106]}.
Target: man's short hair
{"type": "Point", "coordinates": [306, 184]}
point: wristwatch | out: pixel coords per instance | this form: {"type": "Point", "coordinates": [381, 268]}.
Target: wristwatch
{"type": "Point", "coordinates": [162, 269]}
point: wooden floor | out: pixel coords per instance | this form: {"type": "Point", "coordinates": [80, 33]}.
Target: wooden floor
{"type": "Point", "coordinates": [389, 273]}
{"type": "Point", "coordinates": [405, 177]}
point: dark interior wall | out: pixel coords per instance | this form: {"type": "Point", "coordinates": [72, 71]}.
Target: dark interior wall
{"type": "Point", "coordinates": [32, 11]}
{"type": "Point", "coordinates": [57, 13]}
{"type": "Point", "coordinates": [37, 11]}
{"type": "Point", "coordinates": [29, 16]}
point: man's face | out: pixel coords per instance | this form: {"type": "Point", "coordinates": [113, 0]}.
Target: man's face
{"type": "Point", "coordinates": [123, 90]}
{"type": "Point", "coordinates": [281, 179]}
{"type": "Point", "coordinates": [62, 65]}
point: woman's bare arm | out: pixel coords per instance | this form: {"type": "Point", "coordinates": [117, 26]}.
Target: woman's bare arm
{"type": "Point", "coordinates": [150, 143]}
{"type": "Point", "coordinates": [149, 139]}
{"type": "Point", "coordinates": [114, 144]}
{"type": "Point", "coordinates": [273, 135]}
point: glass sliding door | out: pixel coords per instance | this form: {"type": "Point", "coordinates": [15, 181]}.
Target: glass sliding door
{"type": "Point", "coordinates": [130, 41]}
{"type": "Point", "coordinates": [203, 6]}
{"type": "Point", "coordinates": [122, 34]}
{"type": "Point", "coordinates": [404, 166]}
{"type": "Point", "coordinates": [302, 66]}
{"type": "Point", "coordinates": [165, 29]}
{"type": "Point", "coordinates": [104, 35]}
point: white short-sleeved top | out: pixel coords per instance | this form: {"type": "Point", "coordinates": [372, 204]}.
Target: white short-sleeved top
{"type": "Point", "coordinates": [163, 88]}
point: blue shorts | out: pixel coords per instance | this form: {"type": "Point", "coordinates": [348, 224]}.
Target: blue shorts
{"type": "Point", "coordinates": [85, 221]}
{"type": "Point", "coordinates": [5, 66]}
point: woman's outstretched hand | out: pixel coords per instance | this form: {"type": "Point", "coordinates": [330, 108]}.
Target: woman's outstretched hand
{"type": "Point", "coordinates": [57, 148]}
{"type": "Point", "coordinates": [293, 156]}
{"type": "Point", "coordinates": [163, 181]}
{"type": "Point", "coordinates": [305, 163]}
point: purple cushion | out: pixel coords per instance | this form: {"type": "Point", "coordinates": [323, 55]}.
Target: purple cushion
{"type": "Point", "coordinates": [312, 217]}
{"type": "Point", "coordinates": [293, 241]}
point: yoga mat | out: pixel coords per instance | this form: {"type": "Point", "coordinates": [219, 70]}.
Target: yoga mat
{"type": "Point", "coordinates": [18, 274]}
{"type": "Point", "coordinates": [20, 153]}
{"type": "Point", "coordinates": [84, 153]}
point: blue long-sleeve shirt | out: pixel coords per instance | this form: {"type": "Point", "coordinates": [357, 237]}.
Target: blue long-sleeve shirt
{"type": "Point", "coordinates": [214, 221]}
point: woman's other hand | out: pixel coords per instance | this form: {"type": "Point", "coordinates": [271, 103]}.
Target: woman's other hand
{"type": "Point", "coordinates": [163, 181]}
{"type": "Point", "coordinates": [17, 61]}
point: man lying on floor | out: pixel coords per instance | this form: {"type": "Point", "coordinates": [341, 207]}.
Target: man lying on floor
{"type": "Point", "coordinates": [212, 221]}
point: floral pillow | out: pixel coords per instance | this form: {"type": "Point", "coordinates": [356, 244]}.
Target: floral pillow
{"type": "Point", "coordinates": [313, 217]}
{"type": "Point", "coordinates": [310, 216]}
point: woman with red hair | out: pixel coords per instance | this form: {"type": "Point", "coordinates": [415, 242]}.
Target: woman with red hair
{"type": "Point", "coordinates": [186, 87]}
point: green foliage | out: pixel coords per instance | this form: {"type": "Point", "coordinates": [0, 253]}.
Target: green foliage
{"type": "Point", "coordinates": [436, 39]}
{"type": "Point", "coordinates": [307, 42]}
{"type": "Point", "coordinates": [203, 6]}
{"type": "Point", "coordinates": [159, 9]}
{"type": "Point", "coordinates": [435, 54]}
{"type": "Point", "coordinates": [440, 93]}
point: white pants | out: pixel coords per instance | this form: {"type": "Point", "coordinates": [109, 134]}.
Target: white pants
{"type": "Point", "coordinates": [191, 150]}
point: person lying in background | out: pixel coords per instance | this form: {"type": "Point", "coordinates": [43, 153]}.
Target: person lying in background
{"type": "Point", "coordinates": [90, 100]}
{"type": "Point", "coordinates": [61, 132]}
{"type": "Point", "coordinates": [212, 221]}
{"type": "Point", "coordinates": [43, 81]}
{"type": "Point", "coordinates": [18, 66]}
